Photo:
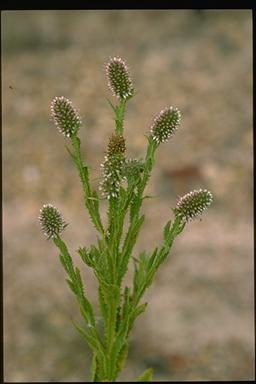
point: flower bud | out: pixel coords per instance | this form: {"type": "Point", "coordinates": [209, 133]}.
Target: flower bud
{"type": "Point", "coordinates": [116, 145]}
{"type": "Point", "coordinates": [133, 169]}
{"type": "Point", "coordinates": [112, 173]}
{"type": "Point", "coordinates": [65, 116]}
{"type": "Point", "coordinates": [113, 167]}
{"type": "Point", "coordinates": [193, 204]}
{"type": "Point", "coordinates": [165, 124]}
{"type": "Point", "coordinates": [119, 81]}
{"type": "Point", "coordinates": [51, 221]}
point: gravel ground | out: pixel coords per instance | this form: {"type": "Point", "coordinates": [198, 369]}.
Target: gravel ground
{"type": "Point", "coordinates": [199, 324]}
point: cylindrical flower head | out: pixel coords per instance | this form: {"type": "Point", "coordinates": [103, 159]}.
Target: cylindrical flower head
{"type": "Point", "coordinates": [112, 175]}
{"type": "Point", "coordinates": [51, 221]}
{"type": "Point", "coordinates": [65, 116]}
{"type": "Point", "coordinates": [193, 204]}
{"type": "Point", "coordinates": [165, 124]}
{"type": "Point", "coordinates": [118, 77]}
{"type": "Point", "coordinates": [116, 145]}
{"type": "Point", "coordinates": [113, 166]}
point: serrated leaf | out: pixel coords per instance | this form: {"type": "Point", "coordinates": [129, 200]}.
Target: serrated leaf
{"type": "Point", "coordinates": [79, 281]}
{"type": "Point", "coordinates": [94, 368]}
{"type": "Point", "coordinates": [65, 266]}
{"type": "Point", "coordinates": [129, 243]}
{"type": "Point", "coordinates": [90, 339]}
{"type": "Point", "coordinates": [87, 311]}
{"type": "Point", "coordinates": [167, 230]}
{"type": "Point", "coordinates": [138, 311]}
{"type": "Point", "coordinates": [86, 256]}
{"type": "Point", "coordinates": [102, 302]}
{"type": "Point", "coordinates": [152, 259]}
{"type": "Point", "coordinates": [66, 258]}
{"type": "Point", "coordinates": [71, 286]}
{"type": "Point", "coordinates": [122, 357]}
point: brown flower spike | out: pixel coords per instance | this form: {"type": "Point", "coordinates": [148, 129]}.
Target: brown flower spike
{"type": "Point", "coordinates": [65, 116]}
{"type": "Point", "coordinates": [119, 81]}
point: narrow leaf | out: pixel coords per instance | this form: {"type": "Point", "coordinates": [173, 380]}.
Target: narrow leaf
{"type": "Point", "coordinates": [73, 156]}
{"type": "Point", "coordinates": [122, 357]}
{"type": "Point", "coordinates": [71, 286]}
{"type": "Point", "coordinates": [167, 230]}
{"type": "Point", "coordinates": [112, 106]}
{"type": "Point", "coordinates": [90, 339]}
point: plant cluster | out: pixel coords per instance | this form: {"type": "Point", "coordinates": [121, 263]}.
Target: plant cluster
{"type": "Point", "coordinates": [123, 184]}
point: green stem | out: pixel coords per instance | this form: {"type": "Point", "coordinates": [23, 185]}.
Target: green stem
{"type": "Point", "coordinates": [89, 197]}
{"type": "Point", "coordinates": [114, 294]}
{"type": "Point", "coordinates": [120, 111]}
{"type": "Point", "coordinates": [163, 252]}
{"type": "Point", "coordinates": [76, 285]}
{"type": "Point", "coordinates": [148, 165]}
{"type": "Point", "coordinates": [116, 213]}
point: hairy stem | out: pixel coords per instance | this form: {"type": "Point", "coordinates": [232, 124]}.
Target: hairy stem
{"type": "Point", "coordinates": [91, 198]}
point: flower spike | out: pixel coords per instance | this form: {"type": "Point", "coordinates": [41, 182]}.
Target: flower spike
{"type": "Point", "coordinates": [65, 116]}
{"type": "Point", "coordinates": [193, 204]}
{"type": "Point", "coordinates": [165, 124]}
{"type": "Point", "coordinates": [116, 145]}
{"type": "Point", "coordinates": [119, 81]}
{"type": "Point", "coordinates": [113, 167]}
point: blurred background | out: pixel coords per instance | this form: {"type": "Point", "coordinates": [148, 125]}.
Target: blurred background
{"type": "Point", "coordinates": [199, 323]}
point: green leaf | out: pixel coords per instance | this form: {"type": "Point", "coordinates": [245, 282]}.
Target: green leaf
{"type": "Point", "coordinates": [122, 357]}
{"type": "Point", "coordinates": [146, 376]}
{"type": "Point", "coordinates": [79, 282]}
{"type": "Point", "coordinates": [126, 305]}
{"type": "Point", "coordinates": [112, 106]}
{"type": "Point", "coordinates": [62, 259]}
{"type": "Point", "coordinates": [129, 243]}
{"type": "Point", "coordinates": [65, 258]}
{"type": "Point", "coordinates": [90, 339]}
{"type": "Point", "coordinates": [86, 256]}
{"type": "Point", "coordinates": [167, 230]}
{"type": "Point", "coordinates": [121, 337]}
{"type": "Point", "coordinates": [135, 205]}
{"type": "Point", "coordinates": [73, 156]}
{"type": "Point", "coordinates": [86, 311]}
{"type": "Point", "coordinates": [138, 311]}
{"type": "Point", "coordinates": [94, 368]}
{"type": "Point", "coordinates": [140, 272]}
{"type": "Point", "coordinates": [71, 286]}
{"type": "Point", "coordinates": [103, 302]}
{"type": "Point", "coordinates": [152, 259]}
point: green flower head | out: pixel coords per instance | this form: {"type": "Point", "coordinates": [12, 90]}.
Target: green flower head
{"type": "Point", "coordinates": [51, 221]}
